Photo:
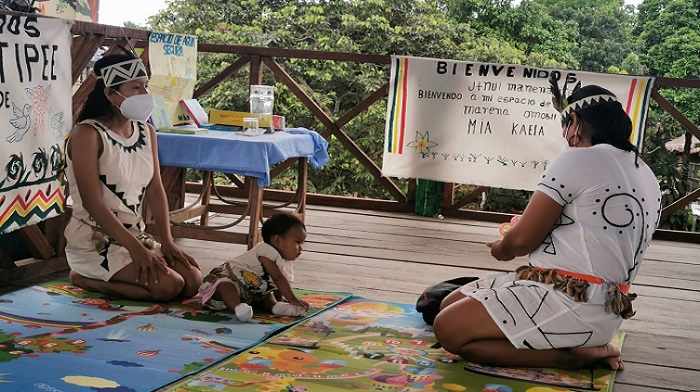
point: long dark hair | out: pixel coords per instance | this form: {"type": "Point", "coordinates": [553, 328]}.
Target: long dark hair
{"type": "Point", "coordinates": [97, 105]}
{"type": "Point", "coordinates": [609, 122]}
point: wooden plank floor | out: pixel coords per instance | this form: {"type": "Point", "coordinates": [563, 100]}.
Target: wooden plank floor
{"type": "Point", "coordinates": [394, 256]}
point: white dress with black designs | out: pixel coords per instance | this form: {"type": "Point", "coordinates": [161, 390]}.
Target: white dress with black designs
{"type": "Point", "coordinates": [125, 169]}
{"type": "Point", "coordinates": [611, 210]}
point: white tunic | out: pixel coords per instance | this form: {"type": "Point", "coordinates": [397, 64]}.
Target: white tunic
{"type": "Point", "coordinates": [611, 209]}
{"type": "Point", "coordinates": [125, 169]}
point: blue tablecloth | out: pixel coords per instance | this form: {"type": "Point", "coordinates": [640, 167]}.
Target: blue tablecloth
{"type": "Point", "coordinates": [231, 152]}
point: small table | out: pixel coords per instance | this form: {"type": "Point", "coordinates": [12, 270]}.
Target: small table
{"type": "Point", "coordinates": [234, 153]}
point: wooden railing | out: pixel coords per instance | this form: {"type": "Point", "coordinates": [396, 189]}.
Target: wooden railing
{"type": "Point", "coordinates": [45, 240]}
{"type": "Point", "coordinates": [256, 57]}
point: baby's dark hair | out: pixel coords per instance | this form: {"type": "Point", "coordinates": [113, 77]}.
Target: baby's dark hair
{"type": "Point", "coordinates": [97, 105]}
{"type": "Point", "coordinates": [609, 122]}
{"type": "Point", "coordinates": [280, 224]}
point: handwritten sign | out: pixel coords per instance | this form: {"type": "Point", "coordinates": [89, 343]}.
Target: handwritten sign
{"type": "Point", "coordinates": [173, 61]}
{"type": "Point", "coordinates": [483, 123]}
{"type": "Point", "coordinates": [35, 114]}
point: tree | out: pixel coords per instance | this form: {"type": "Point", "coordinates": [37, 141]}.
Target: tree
{"type": "Point", "coordinates": [528, 26]}
{"type": "Point", "coordinates": [669, 31]}
{"type": "Point", "coordinates": [590, 35]}
{"type": "Point", "coordinates": [403, 27]}
{"type": "Point", "coordinates": [602, 31]}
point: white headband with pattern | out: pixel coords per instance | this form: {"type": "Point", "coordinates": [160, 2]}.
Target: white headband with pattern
{"type": "Point", "coordinates": [125, 71]}
{"type": "Point", "coordinates": [586, 102]}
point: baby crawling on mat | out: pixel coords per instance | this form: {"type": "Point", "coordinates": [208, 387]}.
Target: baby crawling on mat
{"type": "Point", "coordinates": [262, 276]}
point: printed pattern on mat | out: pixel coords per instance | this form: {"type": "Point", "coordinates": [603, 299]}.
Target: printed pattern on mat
{"type": "Point", "coordinates": [368, 345]}
{"type": "Point", "coordinates": [74, 340]}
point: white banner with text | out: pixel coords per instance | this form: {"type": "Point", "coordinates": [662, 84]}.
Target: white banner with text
{"type": "Point", "coordinates": [483, 123]}
{"type": "Point", "coordinates": [35, 115]}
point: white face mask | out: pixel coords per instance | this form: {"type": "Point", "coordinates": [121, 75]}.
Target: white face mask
{"type": "Point", "coordinates": [137, 107]}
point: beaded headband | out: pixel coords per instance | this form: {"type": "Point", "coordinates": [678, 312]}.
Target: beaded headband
{"type": "Point", "coordinates": [587, 102]}
{"type": "Point", "coordinates": [562, 105]}
{"type": "Point", "coordinates": [125, 71]}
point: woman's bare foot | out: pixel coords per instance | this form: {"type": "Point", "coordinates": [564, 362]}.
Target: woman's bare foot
{"type": "Point", "coordinates": [75, 278]}
{"type": "Point", "coordinates": [80, 281]}
{"type": "Point", "coordinates": [608, 355]}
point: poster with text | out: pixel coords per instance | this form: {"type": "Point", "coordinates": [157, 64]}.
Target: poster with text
{"type": "Point", "coordinates": [483, 123]}
{"type": "Point", "coordinates": [173, 61]}
{"type": "Point", "coordinates": [35, 114]}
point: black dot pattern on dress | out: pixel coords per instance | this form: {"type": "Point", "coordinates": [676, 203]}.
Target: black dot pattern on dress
{"type": "Point", "coordinates": [618, 207]}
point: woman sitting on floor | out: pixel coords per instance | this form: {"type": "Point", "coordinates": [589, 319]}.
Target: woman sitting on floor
{"type": "Point", "coordinates": [586, 229]}
{"type": "Point", "coordinates": [112, 169]}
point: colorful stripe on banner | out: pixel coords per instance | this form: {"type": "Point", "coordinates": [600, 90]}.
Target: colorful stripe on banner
{"type": "Point", "coordinates": [637, 104]}
{"type": "Point", "coordinates": [397, 119]}
{"type": "Point", "coordinates": [20, 211]}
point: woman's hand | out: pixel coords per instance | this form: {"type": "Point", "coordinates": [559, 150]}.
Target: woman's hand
{"type": "Point", "coordinates": [540, 215]}
{"type": "Point", "coordinates": [148, 265]}
{"type": "Point", "coordinates": [172, 253]}
{"type": "Point", "coordinates": [497, 251]}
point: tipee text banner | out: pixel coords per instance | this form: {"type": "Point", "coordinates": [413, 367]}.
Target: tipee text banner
{"type": "Point", "coordinates": [35, 114]}
{"type": "Point", "coordinates": [484, 123]}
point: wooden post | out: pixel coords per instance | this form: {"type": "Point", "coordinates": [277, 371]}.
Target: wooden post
{"type": "Point", "coordinates": [255, 196]}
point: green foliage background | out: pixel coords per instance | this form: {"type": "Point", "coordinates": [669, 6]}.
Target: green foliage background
{"type": "Point", "coordinates": [660, 38]}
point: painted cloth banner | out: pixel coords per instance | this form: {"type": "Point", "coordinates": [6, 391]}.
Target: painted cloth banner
{"type": "Point", "coordinates": [86, 10]}
{"type": "Point", "coordinates": [173, 62]}
{"type": "Point", "coordinates": [486, 124]}
{"type": "Point", "coordinates": [35, 113]}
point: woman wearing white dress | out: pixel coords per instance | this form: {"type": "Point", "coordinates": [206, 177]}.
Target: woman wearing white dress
{"type": "Point", "coordinates": [112, 171]}
{"type": "Point", "coordinates": [585, 229]}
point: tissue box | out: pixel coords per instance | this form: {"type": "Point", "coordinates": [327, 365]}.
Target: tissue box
{"type": "Point", "coordinates": [228, 117]}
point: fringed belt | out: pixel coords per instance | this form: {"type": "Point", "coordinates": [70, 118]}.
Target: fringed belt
{"type": "Point", "coordinates": [100, 239]}
{"type": "Point", "coordinates": [618, 299]}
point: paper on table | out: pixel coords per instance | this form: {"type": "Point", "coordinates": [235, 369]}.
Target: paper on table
{"type": "Point", "coordinates": [188, 129]}
{"type": "Point", "coordinates": [253, 132]}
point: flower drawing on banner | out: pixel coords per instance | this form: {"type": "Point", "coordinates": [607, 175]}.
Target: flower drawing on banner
{"type": "Point", "coordinates": [422, 144]}
{"type": "Point", "coordinates": [39, 95]}
{"type": "Point", "coordinates": [42, 166]}
{"type": "Point", "coordinates": [40, 163]}
{"type": "Point", "coordinates": [15, 167]}
{"type": "Point", "coordinates": [56, 159]}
